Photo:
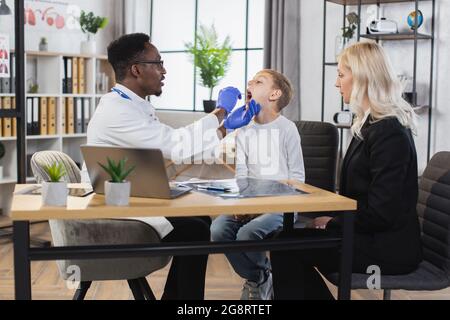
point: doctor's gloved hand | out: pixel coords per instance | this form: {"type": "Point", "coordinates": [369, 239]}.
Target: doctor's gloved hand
{"type": "Point", "coordinates": [227, 98]}
{"type": "Point", "coordinates": [242, 116]}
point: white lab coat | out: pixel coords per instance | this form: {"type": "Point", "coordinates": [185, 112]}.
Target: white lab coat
{"type": "Point", "coordinates": [119, 121]}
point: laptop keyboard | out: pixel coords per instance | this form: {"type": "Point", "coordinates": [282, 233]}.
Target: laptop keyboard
{"type": "Point", "coordinates": [174, 192]}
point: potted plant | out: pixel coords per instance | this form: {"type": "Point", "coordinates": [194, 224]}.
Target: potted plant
{"type": "Point", "coordinates": [54, 191]}
{"type": "Point", "coordinates": [211, 60]}
{"type": "Point", "coordinates": [90, 24]}
{"type": "Point", "coordinates": [43, 44]}
{"type": "Point", "coordinates": [117, 190]}
{"type": "Point", "coordinates": [343, 40]}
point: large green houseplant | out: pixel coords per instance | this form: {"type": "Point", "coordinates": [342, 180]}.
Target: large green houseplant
{"type": "Point", "coordinates": [211, 59]}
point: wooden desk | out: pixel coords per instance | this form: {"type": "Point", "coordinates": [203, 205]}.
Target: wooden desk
{"type": "Point", "coordinates": [26, 208]}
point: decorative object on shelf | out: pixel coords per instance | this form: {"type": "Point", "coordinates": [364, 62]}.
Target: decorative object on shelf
{"type": "Point", "coordinates": [117, 190]}
{"type": "Point", "coordinates": [2, 154]}
{"type": "Point", "coordinates": [211, 60]}
{"type": "Point", "coordinates": [90, 24]}
{"type": "Point", "coordinates": [4, 9]}
{"type": "Point", "coordinates": [54, 192]}
{"type": "Point", "coordinates": [33, 87]}
{"type": "Point", "coordinates": [383, 26]}
{"type": "Point", "coordinates": [411, 19]}
{"type": "Point", "coordinates": [348, 32]}
{"type": "Point", "coordinates": [407, 88]}
{"type": "Point", "coordinates": [43, 44]}
{"type": "Point", "coordinates": [343, 118]}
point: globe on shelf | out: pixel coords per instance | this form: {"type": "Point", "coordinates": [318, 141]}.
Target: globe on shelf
{"type": "Point", "coordinates": [411, 19]}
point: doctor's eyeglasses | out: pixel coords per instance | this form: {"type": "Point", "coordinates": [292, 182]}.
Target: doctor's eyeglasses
{"type": "Point", "coordinates": [160, 63]}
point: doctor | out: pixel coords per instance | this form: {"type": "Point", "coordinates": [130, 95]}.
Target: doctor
{"type": "Point", "coordinates": [124, 118]}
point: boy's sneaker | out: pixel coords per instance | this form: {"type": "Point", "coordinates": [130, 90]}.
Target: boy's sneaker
{"type": "Point", "coordinates": [254, 291]}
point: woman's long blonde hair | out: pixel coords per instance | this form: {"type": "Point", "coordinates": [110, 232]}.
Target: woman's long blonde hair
{"type": "Point", "coordinates": [373, 75]}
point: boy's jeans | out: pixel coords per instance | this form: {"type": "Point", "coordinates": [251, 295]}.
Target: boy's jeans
{"type": "Point", "coordinates": [249, 265]}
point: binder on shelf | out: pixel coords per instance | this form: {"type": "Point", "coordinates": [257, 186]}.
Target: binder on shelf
{"type": "Point", "coordinates": [78, 115]}
{"type": "Point", "coordinates": [70, 117]}
{"type": "Point", "coordinates": [6, 123]}
{"type": "Point", "coordinates": [29, 115]}
{"type": "Point", "coordinates": [51, 115]}
{"type": "Point", "coordinates": [5, 85]}
{"type": "Point", "coordinates": [64, 76]}
{"type": "Point", "coordinates": [74, 75]}
{"type": "Point", "coordinates": [63, 116]}
{"type": "Point", "coordinates": [14, 120]}
{"type": "Point", "coordinates": [81, 76]}
{"type": "Point", "coordinates": [86, 113]}
{"type": "Point", "coordinates": [35, 125]}
{"type": "Point", "coordinates": [67, 80]}
{"type": "Point", "coordinates": [43, 116]}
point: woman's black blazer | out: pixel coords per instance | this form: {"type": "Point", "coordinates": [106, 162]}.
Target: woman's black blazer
{"type": "Point", "coordinates": [380, 173]}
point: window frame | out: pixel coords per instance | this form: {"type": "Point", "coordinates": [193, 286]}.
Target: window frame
{"type": "Point", "coordinates": [246, 50]}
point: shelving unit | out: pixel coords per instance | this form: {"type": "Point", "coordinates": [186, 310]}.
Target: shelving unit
{"type": "Point", "coordinates": [47, 70]}
{"type": "Point", "coordinates": [414, 36]}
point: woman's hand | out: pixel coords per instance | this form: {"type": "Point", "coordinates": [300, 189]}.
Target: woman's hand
{"type": "Point", "coordinates": [321, 222]}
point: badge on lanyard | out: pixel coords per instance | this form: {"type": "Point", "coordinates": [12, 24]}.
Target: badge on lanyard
{"type": "Point", "coordinates": [121, 93]}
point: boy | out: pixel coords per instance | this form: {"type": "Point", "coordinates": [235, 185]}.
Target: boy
{"type": "Point", "coordinates": [268, 148]}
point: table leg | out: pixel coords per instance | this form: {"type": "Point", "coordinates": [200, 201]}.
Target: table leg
{"type": "Point", "coordinates": [288, 222]}
{"type": "Point", "coordinates": [22, 264]}
{"type": "Point", "coordinates": [345, 274]}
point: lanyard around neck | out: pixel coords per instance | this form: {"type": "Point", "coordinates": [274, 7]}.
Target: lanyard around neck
{"type": "Point", "coordinates": [120, 93]}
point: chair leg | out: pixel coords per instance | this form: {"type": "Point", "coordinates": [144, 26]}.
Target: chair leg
{"type": "Point", "coordinates": [135, 287]}
{"type": "Point", "coordinates": [386, 294]}
{"type": "Point", "coordinates": [146, 290]}
{"type": "Point", "coordinates": [83, 288]}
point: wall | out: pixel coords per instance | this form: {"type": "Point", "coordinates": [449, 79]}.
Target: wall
{"type": "Point", "coordinates": [63, 40]}
{"type": "Point", "coordinates": [400, 53]}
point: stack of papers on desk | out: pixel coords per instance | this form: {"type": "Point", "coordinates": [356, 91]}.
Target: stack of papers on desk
{"type": "Point", "coordinates": [243, 188]}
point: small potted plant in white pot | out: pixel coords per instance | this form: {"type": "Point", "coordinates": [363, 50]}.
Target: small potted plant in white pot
{"type": "Point", "coordinates": [43, 44]}
{"type": "Point", "coordinates": [90, 24]}
{"type": "Point", "coordinates": [117, 190]}
{"type": "Point", "coordinates": [54, 191]}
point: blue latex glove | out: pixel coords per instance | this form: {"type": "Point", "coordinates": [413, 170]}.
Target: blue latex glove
{"type": "Point", "coordinates": [227, 98]}
{"type": "Point", "coordinates": [242, 117]}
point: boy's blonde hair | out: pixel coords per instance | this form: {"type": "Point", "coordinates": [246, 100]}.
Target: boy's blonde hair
{"type": "Point", "coordinates": [373, 75]}
{"type": "Point", "coordinates": [282, 83]}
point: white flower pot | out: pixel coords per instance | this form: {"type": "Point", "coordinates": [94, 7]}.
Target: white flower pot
{"type": "Point", "coordinates": [54, 194]}
{"type": "Point", "coordinates": [88, 47]}
{"type": "Point", "coordinates": [117, 194]}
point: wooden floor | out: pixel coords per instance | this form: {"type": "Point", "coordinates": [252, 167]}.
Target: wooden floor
{"type": "Point", "coordinates": [221, 282]}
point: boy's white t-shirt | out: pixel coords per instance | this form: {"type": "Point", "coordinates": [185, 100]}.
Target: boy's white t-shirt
{"type": "Point", "coordinates": [270, 151]}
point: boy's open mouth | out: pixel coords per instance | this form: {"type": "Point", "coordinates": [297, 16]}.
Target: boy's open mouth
{"type": "Point", "coordinates": [249, 96]}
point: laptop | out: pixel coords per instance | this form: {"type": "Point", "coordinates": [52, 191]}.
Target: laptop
{"type": "Point", "coordinates": [148, 179]}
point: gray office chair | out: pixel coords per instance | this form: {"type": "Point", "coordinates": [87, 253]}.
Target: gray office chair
{"type": "Point", "coordinates": [433, 208]}
{"type": "Point", "coordinates": [97, 232]}
{"type": "Point", "coordinates": [320, 148]}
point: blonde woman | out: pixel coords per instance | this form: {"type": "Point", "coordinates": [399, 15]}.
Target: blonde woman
{"type": "Point", "coordinates": [379, 171]}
